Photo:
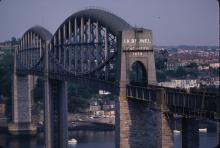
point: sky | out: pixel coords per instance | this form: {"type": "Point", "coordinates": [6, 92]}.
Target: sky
{"type": "Point", "coordinates": [173, 22]}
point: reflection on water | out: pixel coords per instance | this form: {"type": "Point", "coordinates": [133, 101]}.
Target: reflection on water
{"type": "Point", "coordinates": [208, 140]}
{"type": "Point", "coordinates": [86, 139]}
{"type": "Point", "coordinates": [92, 139]}
{"type": "Point", "coordinates": [89, 139]}
{"type": "Point", "coordinates": [8, 141]}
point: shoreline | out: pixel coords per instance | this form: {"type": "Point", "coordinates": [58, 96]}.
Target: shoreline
{"type": "Point", "coordinates": [87, 126]}
{"type": "Point", "coordinates": [93, 126]}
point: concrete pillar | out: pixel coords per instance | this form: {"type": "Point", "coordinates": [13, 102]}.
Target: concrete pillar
{"type": "Point", "coordinates": [21, 123]}
{"type": "Point", "coordinates": [151, 70]}
{"type": "Point", "coordinates": [166, 132]}
{"type": "Point", "coordinates": [22, 94]}
{"type": "Point", "coordinates": [190, 133]}
{"type": "Point", "coordinates": [165, 120]}
{"type": "Point", "coordinates": [47, 107]}
{"type": "Point", "coordinates": [57, 115]}
{"type": "Point", "coordinates": [63, 115]}
{"type": "Point", "coordinates": [122, 119]}
{"type": "Point", "coordinates": [123, 123]}
{"type": "Point", "coordinates": [55, 109]}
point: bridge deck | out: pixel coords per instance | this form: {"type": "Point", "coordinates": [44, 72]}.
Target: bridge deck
{"type": "Point", "coordinates": [191, 104]}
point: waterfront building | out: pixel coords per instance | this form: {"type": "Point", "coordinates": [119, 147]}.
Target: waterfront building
{"type": "Point", "coordinates": [109, 108]}
{"type": "Point", "coordinates": [2, 110]}
{"type": "Point", "coordinates": [94, 107]}
{"type": "Point", "coordinates": [108, 105]}
{"type": "Point", "coordinates": [214, 65]}
{"type": "Point", "coordinates": [185, 84]}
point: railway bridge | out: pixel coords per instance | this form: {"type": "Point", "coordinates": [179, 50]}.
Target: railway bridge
{"type": "Point", "coordinates": [98, 49]}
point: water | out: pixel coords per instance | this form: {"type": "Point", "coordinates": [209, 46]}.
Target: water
{"type": "Point", "coordinates": [92, 139]}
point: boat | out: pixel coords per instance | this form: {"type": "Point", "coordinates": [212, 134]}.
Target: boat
{"type": "Point", "coordinates": [203, 130]}
{"type": "Point", "coordinates": [176, 131]}
{"type": "Point", "coordinates": [72, 141]}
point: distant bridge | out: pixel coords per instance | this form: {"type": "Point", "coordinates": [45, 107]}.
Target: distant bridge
{"type": "Point", "coordinates": [98, 49]}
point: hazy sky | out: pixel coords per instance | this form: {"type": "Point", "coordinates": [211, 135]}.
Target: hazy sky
{"type": "Point", "coordinates": [174, 22]}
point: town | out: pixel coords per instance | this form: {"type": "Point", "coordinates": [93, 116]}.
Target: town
{"type": "Point", "coordinates": [188, 66]}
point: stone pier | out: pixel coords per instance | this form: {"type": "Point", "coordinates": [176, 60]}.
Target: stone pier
{"type": "Point", "coordinates": [138, 126]}
{"type": "Point", "coordinates": [22, 95]}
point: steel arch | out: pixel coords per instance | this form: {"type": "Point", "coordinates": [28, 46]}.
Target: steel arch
{"type": "Point", "coordinates": [86, 42]}
{"type": "Point", "coordinates": [85, 45]}
{"type": "Point", "coordinates": [31, 49]}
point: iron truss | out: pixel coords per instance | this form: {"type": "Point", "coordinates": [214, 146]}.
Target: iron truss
{"type": "Point", "coordinates": [84, 46]}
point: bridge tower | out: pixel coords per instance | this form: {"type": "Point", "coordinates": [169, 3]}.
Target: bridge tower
{"type": "Point", "coordinates": [55, 111]}
{"type": "Point", "coordinates": [136, 125]}
{"type": "Point", "coordinates": [26, 57]}
{"type": "Point", "coordinates": [23, 86]}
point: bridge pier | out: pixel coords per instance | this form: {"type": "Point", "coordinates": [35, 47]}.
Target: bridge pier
{"type": "Point", "coordinates": [137, 126]}
{"type": "Point", "coordinates": [166, 132]}
{"type": "Point", "coordinates": [141, 125]}
{"type": "Point", "coordinates": [190, 133]}
{"type": "Point", "coordinates": [56, 130]}
{"type": "Point", "coordinates": [22, 94]}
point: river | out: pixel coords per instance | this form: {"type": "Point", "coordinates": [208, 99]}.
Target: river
{"type": "Point", "coordinates": [92, 139]}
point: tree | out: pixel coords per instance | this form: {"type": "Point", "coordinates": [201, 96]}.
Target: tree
{"type": "Point", "coordinates": [6, 71]}
{"type": "Point", "coordinates": [180, 72]}
{"type": "Point", "coordinates": [192, 65]}
{"type": "Point", "coordinates": [15, 41]}
{"type": "Point", "coordinates": [161, 59]}
{"type": "Point", "coordinates": [38, 94]}
{"type": "Point", "coordinates": [161, 63]}
{"type": "Point", "coordinates": [79, 97]}
{"type": "Point", "coordinates": [161, 76]}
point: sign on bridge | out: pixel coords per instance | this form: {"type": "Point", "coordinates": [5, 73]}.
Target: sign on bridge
{"type": "Point", "coordinates": [137, 41]}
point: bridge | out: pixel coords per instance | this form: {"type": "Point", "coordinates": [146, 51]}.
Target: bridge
{"type": "Point", "coordinates": [98, 49]}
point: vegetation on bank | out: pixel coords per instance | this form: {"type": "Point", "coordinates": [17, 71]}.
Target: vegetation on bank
{"type": "Point", "coordinates": [6, 71]}
{"type": "Point", "coordinates": [79, 97]}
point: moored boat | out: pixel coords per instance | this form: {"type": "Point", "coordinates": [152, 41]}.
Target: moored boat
{"type": "Point", "coordinates": [72, 141]}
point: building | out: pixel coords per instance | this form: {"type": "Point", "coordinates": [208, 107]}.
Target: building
{"type": "Point", "coordinates": [108, 105]}
{"type": "Point", "coordinates": [214, 65]}
{"type": "Point", "coordinates": [173, 65]}
{"type": "Point", "coordinates": [94, 107]}
{"type": "Point", "coordinates": [2, 110]}
{"type": "Point", "coordinates": [203, 67]}
{"type": "Point", "coordinates": [109, 108]}
{"type": "Point", "coordinates": [185, 84]}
